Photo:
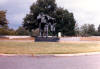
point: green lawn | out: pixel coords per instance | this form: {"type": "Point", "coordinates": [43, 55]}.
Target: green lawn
{"type": "Point", "coordinates": [16, 47]}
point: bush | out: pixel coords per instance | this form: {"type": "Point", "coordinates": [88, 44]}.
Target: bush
{"type": "Point", "coordinates": [7, 32]}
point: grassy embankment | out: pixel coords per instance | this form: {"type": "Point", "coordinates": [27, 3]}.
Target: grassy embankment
{"type": "Point", "coordinates": [16, 47]}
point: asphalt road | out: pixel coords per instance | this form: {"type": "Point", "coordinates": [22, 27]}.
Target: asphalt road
{"type": "Point", "coordinates": [48, 62]}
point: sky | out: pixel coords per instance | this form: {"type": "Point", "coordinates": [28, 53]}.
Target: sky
{"type": "Point", "coordinates": [85, 11]}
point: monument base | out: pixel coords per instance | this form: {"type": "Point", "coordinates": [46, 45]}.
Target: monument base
{"type": "Point", "coordinates": [46, 39]}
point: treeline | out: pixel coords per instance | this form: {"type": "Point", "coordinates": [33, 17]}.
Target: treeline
{"type": "Point", "coordinates": [5, 30]}
{"type": "Point", "coordinates": [84, 30]}
{"type": "Point", "coordinates": [87, 30]}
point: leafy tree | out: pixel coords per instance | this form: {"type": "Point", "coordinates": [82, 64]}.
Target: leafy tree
{"type": "Point", "coordinates": [64, 19]}
{"type": "Point", "coordinates": [3, 32]}
{"type": "Point", "coordinates": [3, 23]}
{"type": "Point", "coordinates": [84, 30]}
{"type": "Point", "coordinates": [4, 29]}
{"type": "Point", "coordinates": [98, 31]}
{"type": "Point", "coordinates": [22, 31]}
{"type": "Point", "coordinates": [88, 30]}
{"type": "Point", "coordinates": [91, 29]}
{"type": "Point", "coordinates": [99, 28]}
{"type": "Point", "coordinates": [77, 30]}
{"type": "Point", "coordinates": [65, 22]}
{"type": "Point", "coordinates": [12, 32]}
{"type": "Point", "coordinates": [3, 20]}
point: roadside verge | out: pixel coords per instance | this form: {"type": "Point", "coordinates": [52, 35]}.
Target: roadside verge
{"type": "Point", "coordinates": [51, 55]}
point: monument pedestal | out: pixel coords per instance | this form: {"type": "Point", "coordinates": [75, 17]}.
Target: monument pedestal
{"type": "Point", "coordinates": [46, 39]}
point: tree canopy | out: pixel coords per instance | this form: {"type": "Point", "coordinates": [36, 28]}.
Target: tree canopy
{"type": "Point", "coordinates": [64, 19]}
{"type": "Point", "coordinates": [86, 30]}
{"type": "Point", "coordinates": [3, 20]}
{"type": "Point", "coordinates": [21, 31]}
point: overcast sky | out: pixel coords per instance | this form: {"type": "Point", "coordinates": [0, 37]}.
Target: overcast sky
{"type": "Point", "coordinates": [85, 11]}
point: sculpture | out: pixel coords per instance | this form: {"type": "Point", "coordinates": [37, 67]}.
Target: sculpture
{"type": "Point", "coordinates": [46, 23]}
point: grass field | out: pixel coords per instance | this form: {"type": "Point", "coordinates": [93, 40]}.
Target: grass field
{"type": "Point", "coordinates": [22, 47]}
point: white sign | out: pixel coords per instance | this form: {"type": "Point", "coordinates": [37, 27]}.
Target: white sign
{"type": "Point", "coordinates": [59, 34]}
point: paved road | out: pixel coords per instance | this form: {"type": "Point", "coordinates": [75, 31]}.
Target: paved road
{"type": "Point", "coordinates": [45, 62]}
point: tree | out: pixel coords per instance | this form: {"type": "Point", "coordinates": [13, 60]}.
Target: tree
{"type": "Point", "coordinates": [22, 31]}
{"type": "Point", "coordinates": [84, 30]}
{"type": "Point", "coordinates": [3, 23]}
{"type": "Point", "coordinates": [12, 32]}
{"type": "Point", "coordinates": [91, 29]}
{"type": "Point", "coordinates": [99, 28]}
{"type": "Point", "coordinates": [98, 31]}
{"type": "Point", "coordinates": [64, 19]}
{"type": "Point", "coordinates": [7, 31]}
{"type": "Point", "coordinates": [4, 29]}
{"type": "Point", "coordinates": [88, 30]}
{"type": "Point", "coordinates": [3, 20]}
{"type": "Point", "coordinates": [65, 22]}
{"type": "Point", "coordinates": [77, 30]}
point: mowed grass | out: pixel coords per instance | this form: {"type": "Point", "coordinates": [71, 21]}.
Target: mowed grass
{"type": "Point", "coordinates": [24, 47]}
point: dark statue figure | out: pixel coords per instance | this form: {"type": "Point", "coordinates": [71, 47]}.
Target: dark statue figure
{"type": "Point", "coordinates": [46, 23]}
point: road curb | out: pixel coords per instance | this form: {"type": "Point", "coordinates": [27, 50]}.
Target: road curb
{"type": "Point", "coordinates": [14, 55]}
{"type": "Point", "coordinates": [79, 54]}
{"type": "Point", "coordinates": [51, 55]}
